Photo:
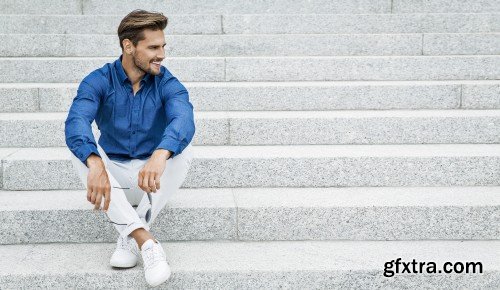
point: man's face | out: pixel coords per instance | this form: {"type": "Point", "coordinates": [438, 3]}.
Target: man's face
{"type": "Point", "coordinates": [149, 52]}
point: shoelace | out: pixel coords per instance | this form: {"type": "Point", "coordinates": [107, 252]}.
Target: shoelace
{"type": "Point", "coordinates": [134, 247]}
{"type": "Point", "coordinates": [128, 245]}
{"type": "Point", "coordinates": [152, 256]}
{"type": "Point", "coordinates": [123, 243]}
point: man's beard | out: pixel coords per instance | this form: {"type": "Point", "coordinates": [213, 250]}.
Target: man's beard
{"type": "Point", "coordinates": [139, 66]}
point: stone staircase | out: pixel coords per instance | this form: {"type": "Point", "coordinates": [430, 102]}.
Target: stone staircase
{"type": "Point", "coordinates": [331, 137]}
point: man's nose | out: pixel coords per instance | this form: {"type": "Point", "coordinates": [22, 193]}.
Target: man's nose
{"type": "Point", "coordinates": [161, 56]}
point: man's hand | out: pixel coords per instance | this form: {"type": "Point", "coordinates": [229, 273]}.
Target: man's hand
{"type": "Point", "coordinates": [98, 183]}
{"type": "Point", "coordinates": [149, 176]}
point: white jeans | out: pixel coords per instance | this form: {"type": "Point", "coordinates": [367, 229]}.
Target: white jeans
{"type": "Point", "coordinates": [126, 194]}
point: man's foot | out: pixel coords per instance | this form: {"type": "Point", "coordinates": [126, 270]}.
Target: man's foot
{"type": "Point", "coordinates": [156, 268]}
{"type": "Point", "coordinates": [126, 253]}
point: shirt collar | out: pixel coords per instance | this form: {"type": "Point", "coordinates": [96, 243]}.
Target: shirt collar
{"type": "Point", "coordinates": [123, 76]}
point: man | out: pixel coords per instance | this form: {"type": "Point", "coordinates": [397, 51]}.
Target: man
{"type": "Point", "coordinates": [146, 124]}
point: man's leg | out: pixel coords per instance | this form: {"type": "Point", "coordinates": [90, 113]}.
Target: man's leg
{"type": "Point", "coordinates": [128, 179]}
{"type": "Point", "coordinates": [120, 211]}
{"type": "Point", "coordinates": [171, 180]}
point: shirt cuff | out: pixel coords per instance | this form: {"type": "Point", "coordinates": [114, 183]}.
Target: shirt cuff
{"type": "Point", "coordinates": [170, 145]}
{"type": "Point", "coordinates": [84, 152]}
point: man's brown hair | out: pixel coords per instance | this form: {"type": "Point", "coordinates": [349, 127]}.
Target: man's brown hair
{"type": "Point", "coordinates": [133, 25]}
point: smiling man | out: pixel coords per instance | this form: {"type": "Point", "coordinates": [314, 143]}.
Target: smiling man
{"type": "Point", "coordinates": [146, 124]}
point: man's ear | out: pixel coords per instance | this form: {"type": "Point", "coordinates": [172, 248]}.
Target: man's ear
{"type": "Point", "coordinates": [127, 46]}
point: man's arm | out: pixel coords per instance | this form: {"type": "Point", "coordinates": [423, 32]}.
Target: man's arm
{"type": "Point", "coordinates": [78, 129]}
{"type": "Point", "coordinates": [180, 127]}
{"type": "Point", "coordinates": [165, 154]}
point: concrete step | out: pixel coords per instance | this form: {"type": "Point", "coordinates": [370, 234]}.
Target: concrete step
{"type": "Point", "coordinates": [356, 213]}
{"type": "Point", "coordinates": [58, 216]}
{"type": "Point", "coordinates": [257, 265]}
{"type": "Point", "coordinates": [229, 7]}
{"type": "Point", "coordinates": [362, 68]}
{"type": "Point", "coordinates": [291, 127]}
{"type": "Point", "coordinates": [260, 45]}
{"type": "Point", "coordinates": [361, 23]}
{"type": "Point", "coordinates": [460, 43]}
{"type": "Point", "coordinates": [104, 24]}
{"type": "Point", "coordinates": [286, 166]}
{"type": "Point", "coordinates": [302, 96]}
{"type": "Point", "coordinates": [445, 6]}
{"type": "Point", "coordinates": [74, 69]}
{"type": "Point", "coordinates": [261, 23]}
{"type": "Point", "coordinates": [193, 7]}
{"type": "Point", "coordinates": [234, 45]}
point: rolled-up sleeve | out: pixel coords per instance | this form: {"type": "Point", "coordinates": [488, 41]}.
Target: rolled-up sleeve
{"type": "Point", "coordinates": [180, 126]}
{"type": "Point", "coordinates": [78, 124]}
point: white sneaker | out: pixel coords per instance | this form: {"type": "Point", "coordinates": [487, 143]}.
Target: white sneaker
{"type": "Point", "coordinates": [126, 254]}
{"type": "Point", "coordinates": [156, 268]}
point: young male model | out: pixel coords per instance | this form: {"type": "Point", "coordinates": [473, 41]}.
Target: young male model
{"type": "Point", "coordinates": [146, 124]}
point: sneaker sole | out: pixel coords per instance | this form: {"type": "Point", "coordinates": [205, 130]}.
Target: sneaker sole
{"type": "Point", "coordinates": [161, 281]}
{"type": "Point", "coordinates": [121, 265]}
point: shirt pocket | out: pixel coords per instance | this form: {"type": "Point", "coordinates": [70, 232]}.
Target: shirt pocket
{"type": "Point", "coordinates": [121, 110]}
{"type": "Point", "coordinates": [151, 105]}
{"type": "Point", "coordinates": [115, 106]}
{"type": "Point", "coordinates": [108, 104]}
{"type": "Point", "coordinates": [151, 111]}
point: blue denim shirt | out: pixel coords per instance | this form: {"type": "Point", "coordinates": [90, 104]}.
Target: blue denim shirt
{"type": "Point", "coordinates": [132, 127]}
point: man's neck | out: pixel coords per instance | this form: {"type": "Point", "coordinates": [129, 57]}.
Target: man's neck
{"type": "Point", "coordinates": [134, 74]}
